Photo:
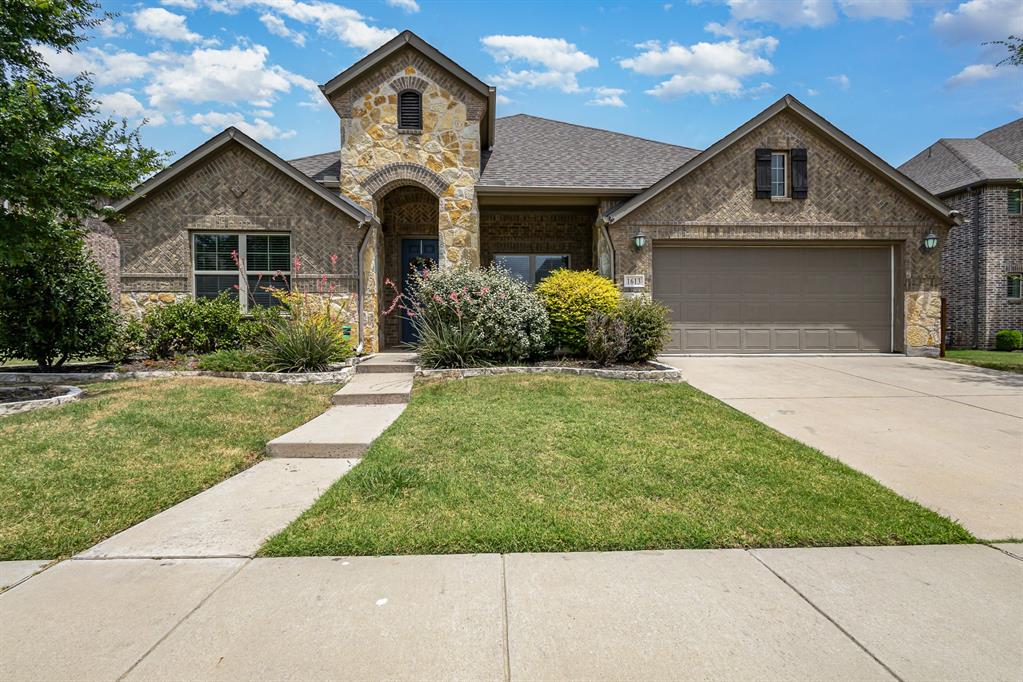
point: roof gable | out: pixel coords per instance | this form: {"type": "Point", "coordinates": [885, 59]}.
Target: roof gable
{"type": "Point", "coordinates": [788, 103]}
{"type": "Point", "coordinates": [234, 136]}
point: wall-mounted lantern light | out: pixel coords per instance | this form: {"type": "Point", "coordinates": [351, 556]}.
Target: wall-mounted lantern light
{"type": "Point", "coordinates": [930, 241]}
{"type": "Point", "coordinates": [639, 240]}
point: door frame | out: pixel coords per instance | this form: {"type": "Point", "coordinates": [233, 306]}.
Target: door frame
{"type": "Point", "coordinates": [402, 273]}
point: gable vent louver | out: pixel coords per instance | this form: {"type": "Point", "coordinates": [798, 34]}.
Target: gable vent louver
{"type": "Point", "coordinates": [410, 110]}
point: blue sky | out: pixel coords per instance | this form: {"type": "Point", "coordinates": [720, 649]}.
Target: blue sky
{"type": "Point", "coordinates": [894, 74]}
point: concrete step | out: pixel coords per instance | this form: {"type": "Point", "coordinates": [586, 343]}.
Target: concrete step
{"type": "Point", "coordinates": [375, 389]}
{"type": "Point", "coordinates": [344, 432]}
{"type": "Point", "coordinates": [388, 363]}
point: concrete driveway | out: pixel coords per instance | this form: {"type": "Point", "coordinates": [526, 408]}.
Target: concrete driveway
{"type": "Point", "coordinates": [946, 435]}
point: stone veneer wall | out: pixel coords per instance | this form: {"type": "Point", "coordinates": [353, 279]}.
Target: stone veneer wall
{"type": "Point", "coordinates": [985, 249]}
{"type": "Point", "coordinates": [846, 201]}
{"type": "Point", "coordinates": [232, 191]}
{"type": "Point", "coordinates": [538, 231]}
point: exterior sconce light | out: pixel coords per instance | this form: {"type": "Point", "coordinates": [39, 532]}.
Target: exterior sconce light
{"type": "Point", "coordinates": [930, 241]}
{"type": "Point", "coordinates": [639, 240]}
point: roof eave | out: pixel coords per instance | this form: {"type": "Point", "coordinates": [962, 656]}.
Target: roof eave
{"type": "Point", "coordinates": [218, 141]}
{"type": "Point", "coordinates": [791, 103]}
{"type": "Point", "coordinates": [555, 190]}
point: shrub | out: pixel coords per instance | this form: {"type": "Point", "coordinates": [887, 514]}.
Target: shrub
{"type": "Point", "coordinates": [54, 306]}
{"type": "Point", "coordinates": [302, 345]}
{"type": "Point", "coordinates": [647, 323]}
{"type": "Point", "coordinates": [443, 343]}
{"type": "Point", "coordinates": [128, 339]}
{"type": "Point", "coordinates": [252, 331]}
{"type": "Point", "coordinates": [196, 326]}
{"type": "Point", "coordinates": [570, 297]}
{"type": "Point", "coordinates": [234, 360]}
{"type": "Point", "coordinates": [487, 305]}
{"type": "Point", "coordinates": [606, 338]}
{"type": "Point", "coordinates": [1009, 339]}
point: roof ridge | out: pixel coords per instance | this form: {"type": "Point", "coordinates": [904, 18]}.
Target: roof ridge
{"type": "Point", "coordinates": [1004, 125]}
{"type": "Point", "coordinates": [944, 141]}
{"type": "Point", "coordinates": [309, 156]}
{"type": "Point", "coordinates": [601, 130]}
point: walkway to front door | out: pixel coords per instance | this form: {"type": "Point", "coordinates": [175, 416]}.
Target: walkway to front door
{"type": "Point", "coordinates": [416, 254]}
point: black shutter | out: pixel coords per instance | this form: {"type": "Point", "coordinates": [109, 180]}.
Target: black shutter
{"type": "Point", "coordinates": [410, 110]}
{"type": "Point", "coordinates": [800, 177]}
{"type": "Point", "coordinates": [763, 174]}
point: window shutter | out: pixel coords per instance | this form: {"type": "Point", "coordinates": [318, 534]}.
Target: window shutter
{"type": "Point", "coordinates": [800, 177]}
{"type": "Point", "coordinates": [410, 110]}
{"type": "Point", "coordinates": [763, 174]}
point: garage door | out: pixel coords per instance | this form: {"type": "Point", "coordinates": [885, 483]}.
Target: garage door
{"type": "Point", "coordinates": [761, 299]}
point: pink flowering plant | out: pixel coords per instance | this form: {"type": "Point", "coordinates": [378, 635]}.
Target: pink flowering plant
{"type": "Point", "coordinates": [484, 315]}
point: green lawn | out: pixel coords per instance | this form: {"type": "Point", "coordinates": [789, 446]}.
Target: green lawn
{"type": "Point", "coordinates": [73, 475]}
{"type": "Point", "coordinates": [992, 359]}
{"type": "Point", "coordinates": [552, 463]}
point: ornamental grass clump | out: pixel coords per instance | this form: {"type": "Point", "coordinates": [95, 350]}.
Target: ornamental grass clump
{"type": "Point", "coordinates": [467, 316]}
{"type": "Point", "coordinates": [571, 297]}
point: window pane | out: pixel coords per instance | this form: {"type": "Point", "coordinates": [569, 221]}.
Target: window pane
{"type": "Point", "coordinates": [517, 265]}
{"type": "Point", "coordinates": [545, 265]}
{"type": "Point", "coordinates": [259, 287]}
{"type": "Point", "coordinates": [268, 253]}
{"type": "Point", "coordinates": [211, 286]}
{"type": "Point", "coordinates": [213, 251]}
{"type": "Point", "coordinates": [777, 175]}
{"type": "Point", "coordinates": [1015, 197]}
{"type": "Point", "coordinates": [1015, 285]}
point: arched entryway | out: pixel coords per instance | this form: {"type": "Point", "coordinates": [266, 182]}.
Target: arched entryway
{"type": "Point", "coordinates": [409, 217]}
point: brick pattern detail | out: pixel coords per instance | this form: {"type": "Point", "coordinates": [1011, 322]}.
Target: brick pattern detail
{"type": "Point", "coordinates": [102, 245]}
{"type": "Point", "coordinates": [394, 175]}
{"type": "Point", "coordinates": [232, 191]}
{"type": "Point", "coordinates": [512, 230]}
{"type": "Point", "coordinates": [344, 101]}
{"type": "Point", "coordinates": [847, 202]}
{"type": "Point", "coordinates": [409, 83]}
{"type": "Point", "coordinates": [978, 256]}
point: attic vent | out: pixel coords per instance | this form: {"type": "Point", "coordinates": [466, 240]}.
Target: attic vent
{"type": "Point", "coordinates": [410, 110]}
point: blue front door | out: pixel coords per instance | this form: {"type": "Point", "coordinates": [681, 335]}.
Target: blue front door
{"type": "Point", "coordinates": [416, 254]}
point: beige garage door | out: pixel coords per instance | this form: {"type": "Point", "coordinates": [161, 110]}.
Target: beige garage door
{"type": "Point", "coordinates": [762, 299]}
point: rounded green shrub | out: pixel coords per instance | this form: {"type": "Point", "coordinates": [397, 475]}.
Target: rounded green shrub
{"type": "Point", "coordinates": [647, 324]}
{"type": "Point", "coordinates": [199, 326]}
{"type": "Point", "coordinates": [1009, 339]}
{"type": "Point", "coordinates": [232, 360]}
{"type": "Point", "coordinates": [570, 297]}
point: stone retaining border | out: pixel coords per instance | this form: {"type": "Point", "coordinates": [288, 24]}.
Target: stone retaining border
{"type": "Point", "coordinates": [661, 373]}
{"type": "Point", "coordinates": [342, 375]}
{"type": "Point", "coordinates": [71, 393]}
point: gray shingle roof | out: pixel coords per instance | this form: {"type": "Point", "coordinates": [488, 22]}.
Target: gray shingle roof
{"type": "Point", "coordinates": [953, 163]}
{"type": "Point", "coordinates": [537, 152]}
{"type": "Point", "coordinates": [320, 166]}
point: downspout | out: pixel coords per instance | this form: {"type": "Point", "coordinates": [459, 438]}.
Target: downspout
{"type": "Point", "coordinates": [368, 222]}
{"type": "Point", "coordinates": [610, 245]}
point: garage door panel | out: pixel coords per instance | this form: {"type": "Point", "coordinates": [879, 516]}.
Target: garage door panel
{"type": "Point", "coordinates": [775, 299]}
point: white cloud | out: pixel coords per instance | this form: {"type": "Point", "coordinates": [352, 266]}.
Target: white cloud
{"type": "Point", "coordinates": [111, 29]}
{"type": "Point", "coordinates": [410, 6]}
{"type": "Point", "coordinates": [814, 13]}
{"type": "Point", "coordinates": [842, 80]}
{"type": "Point", "coordinates": [977, 21]}
{"type": "Point", "coordinates": [972, 74]}
{"type": "Point", "coordinates": [343, 23]}
{"type": "Point", "coordinates": [275, 25]}
{"type": "Point", "coordinates": [607, 97]}
{"type": "Point", "coordinates": [184, 4]}
{"type": "Point", "coordinates": [159, 23]}
{"type": "Point", "coordinates": [107, 67]}
{"type": "Point", "coordinates": [259, 128]}
{"type": "Point", "coordinates": [503, 99]}
{"type": "Point", "coordinates": [876, 9]}
{"type": "Point", "coordinates": [560, 61]}
{"type": "Point", "coordinates": [706, 68]}
{"type": "Point", "coordinates": [123, 104]}
{"type": "Point", "coordinates": [810, 92]}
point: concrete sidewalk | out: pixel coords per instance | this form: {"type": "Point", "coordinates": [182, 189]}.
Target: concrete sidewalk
{"type": "Point", "coordinates": [910, 613]}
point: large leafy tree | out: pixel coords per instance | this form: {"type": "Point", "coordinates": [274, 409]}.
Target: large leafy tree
{"type": "Point", "coordinates": [61, 161]}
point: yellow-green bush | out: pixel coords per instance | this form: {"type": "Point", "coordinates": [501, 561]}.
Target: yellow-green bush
{"type": "Point", "coordinates": [570, 297]}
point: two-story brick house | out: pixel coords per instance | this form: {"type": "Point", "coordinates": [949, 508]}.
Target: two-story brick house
{"type": "Point", "coordinates": [982, 263]}
{"type": "Point", "coordinates": [784, 236]}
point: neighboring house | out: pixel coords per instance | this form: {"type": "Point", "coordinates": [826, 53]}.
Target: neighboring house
{"type": "Point", "coordinates": [982, 263]}
{"type": "Point", "coordinates": [785, 236]}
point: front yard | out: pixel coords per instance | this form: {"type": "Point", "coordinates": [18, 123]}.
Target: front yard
{"type": "Point", "coordinates": [74, 475]}
{"type": "Point", "coordinates": [548, 463]}
{"type": "Point", "coordinates": [991, 359]}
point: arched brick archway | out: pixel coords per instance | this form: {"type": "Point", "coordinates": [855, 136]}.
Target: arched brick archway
{"type": "Point", "coordinates": [394, 175]}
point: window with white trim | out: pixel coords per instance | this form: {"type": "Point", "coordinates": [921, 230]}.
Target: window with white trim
{"type": "Point", "coordinates": [778, 175]}
{"type": "Point", "coordinates": [245, 266]}
{"type": "Point", "coordinates": [531, 268]}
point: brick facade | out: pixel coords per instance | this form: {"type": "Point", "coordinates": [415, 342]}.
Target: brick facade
{"type": "Point", "coordinates": [102, 245]}
{"type": "Point", "coordinates": [231, 191]}
{"type": "Point", "coordinates": [538, 231]}
{"type": "Point", "coordinates": [847, 201]}
{"type": "Point", "coordinates": [975, 263]}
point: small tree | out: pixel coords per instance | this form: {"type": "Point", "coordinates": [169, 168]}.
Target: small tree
{"type": "Point", "coordinates": [54, 306]}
